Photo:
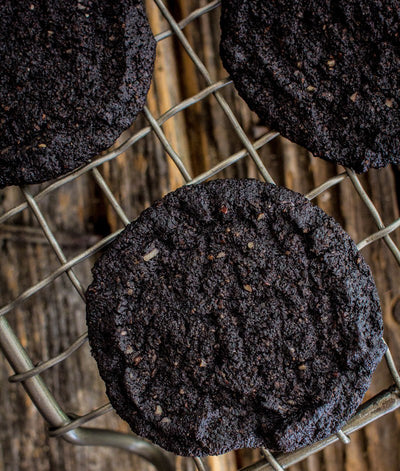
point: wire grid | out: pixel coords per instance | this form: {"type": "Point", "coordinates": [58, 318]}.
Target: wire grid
{"type": "Point", "coordinates": [70, 427]}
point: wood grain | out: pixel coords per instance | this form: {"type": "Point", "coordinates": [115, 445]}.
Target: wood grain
{"type": "Point", "coordinates": [80, 215]}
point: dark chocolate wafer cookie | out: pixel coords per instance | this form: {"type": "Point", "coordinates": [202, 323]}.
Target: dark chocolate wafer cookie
{"type": "Point", "coordinates": [73, 77]}
{"type": "Point", "coordinates": [234, 314]}
{"type": "Point", "coordinates": [324, 74]}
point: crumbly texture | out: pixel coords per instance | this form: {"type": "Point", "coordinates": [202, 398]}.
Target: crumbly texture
{"type": "Point", "coordinates": [234, 314]}
{"type": "Point", "coordinates": [323, 74]}
{"type": "Point", "coordinates": [73, 76]}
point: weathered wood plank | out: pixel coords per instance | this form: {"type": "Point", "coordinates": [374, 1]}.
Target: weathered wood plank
{"type": "Point", "coordinates": [79, 215]}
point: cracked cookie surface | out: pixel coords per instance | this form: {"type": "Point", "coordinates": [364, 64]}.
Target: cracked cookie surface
{"type": "Point", "coordinates": [234, 314]}
{"type": "Point", "coordinates": [73, 78]}
{"type": "Point", "coordinates": [323, 74]}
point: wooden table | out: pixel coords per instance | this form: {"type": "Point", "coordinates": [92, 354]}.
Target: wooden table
{"type": "Point", "coordinates": [80, 215]}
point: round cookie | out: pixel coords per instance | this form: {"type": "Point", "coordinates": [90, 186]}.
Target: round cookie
{"type": "Point", "coordinates": [234, 314]}
{"type": "Point", "coordinates": [323, 74]}
{"type": "Point", "coordinates": [72, 78]}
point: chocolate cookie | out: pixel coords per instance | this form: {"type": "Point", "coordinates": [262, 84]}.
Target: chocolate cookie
{"type": "Point", "coordinates": [73, 76]}
{"type": "Point", "coordinates": [234, 314]}
{"type": "Point", "coordinates": [323, 74]}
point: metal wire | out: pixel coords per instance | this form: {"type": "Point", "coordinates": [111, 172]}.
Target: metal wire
{"type": "Point", "coordinates": [45, 365]}
{"type": "Point", "coordinates": [383, 403]}
{"type": "Point", "coordinates": [199, 464]}
{"type": "Point", "coordinates": [273, 462]}
{"type": "Point", "coordinates": [69, 426]}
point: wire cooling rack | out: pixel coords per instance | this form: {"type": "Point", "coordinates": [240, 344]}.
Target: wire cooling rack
{"type": "Point", "coordinates": [70, 426]}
